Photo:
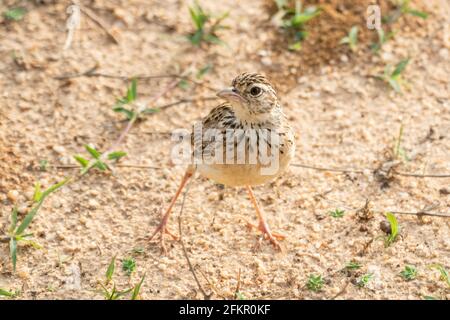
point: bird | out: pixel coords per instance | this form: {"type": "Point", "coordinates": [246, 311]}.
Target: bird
{"type": "Point", "coordinates": [254, 136]}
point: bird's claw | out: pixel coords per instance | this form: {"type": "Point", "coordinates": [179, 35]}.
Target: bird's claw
{"type": "Point", "coordinates": [273, 237]}
{"type": "Point", "coordinates": [162, 229]}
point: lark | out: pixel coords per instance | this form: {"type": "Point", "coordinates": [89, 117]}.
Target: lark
{"type": "Point", "coordinates": [252, 144]}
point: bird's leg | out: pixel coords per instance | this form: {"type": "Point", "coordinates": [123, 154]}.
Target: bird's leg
{"type": "Point", "coordinates": [263, 226]}
{"type": "Point", "coordinates": [162, 228]}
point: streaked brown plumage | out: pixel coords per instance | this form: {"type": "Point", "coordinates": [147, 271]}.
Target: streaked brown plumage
{"type": "Point", "coordinates": [252, 107]}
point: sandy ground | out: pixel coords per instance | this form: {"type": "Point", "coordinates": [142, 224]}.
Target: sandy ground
{"type": "Point", "coordinates": [342, 115]}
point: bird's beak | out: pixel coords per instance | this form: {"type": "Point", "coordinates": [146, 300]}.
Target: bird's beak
{"type": "Point", "coordinates": [230, 94]}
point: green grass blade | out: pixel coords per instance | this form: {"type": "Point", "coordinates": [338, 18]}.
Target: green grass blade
{"type": "Point", "coordinates": [29, 217]}
{"type": "Point", "coordinates": [112, 295]}
{"type": "Point", "coordinates": [353, 36]}
{"type": "Point", "coordinates": [15, 14]}
{"type": "Point", "coordinates": [352, 265]}
{"type": "Point", "coordinates": [122, 293]}
{"type": "Point", "coordinates": [128, 113]}
{"type": "Point", "coordinates": [13, 252]}
{"type": "Point", "coordinates": [116, 155]}
{"type": "Point", "coordinates": [32, 243]}
{"type": "Point", "coordinates": [193, 16]}
{"type": "Point", "coordinates": [444, 273]}
{"type": "Point", "coordinates": [132, 91]}
{"type": "Point", "coordinates": [394, 227]}
{"type": "Point", "coordinates": [204, 71]}
{"type": "Point", "coordinates": [394, 84]}
{"type": "Point", "coordinates": [137, 288]}
{"type": "Point", "coordinates": [295, 46]}
{"type": "Point", "coordinates": [84, 162]}
{"type": "Point", "coordinates": [110, 270]}
{"type": "Point", "coordinates": [37, 192]}
{"type": "Point", "coordinates": [101, 165]}
{"type": "Point", "coordinates": [53, 188]}
{"type": "Point", "coordinates": [92, 151]}
{"type": "Point", "coordinates": [6, 293]}
{"type": "Point", "coordinates": [417, 13]}
{"type": "Point", "coordinates": [400, 67]}
{"type": "Point", "coordinates": [13, 220]}
{"type": "Point", "coordinates": [196, 38]}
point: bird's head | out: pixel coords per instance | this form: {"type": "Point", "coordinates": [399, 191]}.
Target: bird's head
{"type": "Point", "coordinates": [251, 95]}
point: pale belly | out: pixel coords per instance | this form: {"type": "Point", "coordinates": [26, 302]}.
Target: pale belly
{"type": "Point", "coordinates": [243, 174]}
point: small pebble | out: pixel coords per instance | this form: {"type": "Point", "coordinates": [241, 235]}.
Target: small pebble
{"type": "Point", "coordinates": [29, 195]}
{"type": "Point", "coordinates": [57, 203]}
{"type": "Point", "coordinates": [266, 61]}
{"type": "Point", "coordinates": [385, 226]}
{"type": "Point", "coordinates": [344, 58]}
{"type": "Point", "coordinates": [162, 266]}
{"type": "Point", "coordinates": [263, 53]}
{"type": "Point", "coordinates": [23, 209]}
{"type": "Point", "coordinates": [59, 149]}
{"type": "Point", "coordinates": [444, 53]}
{"type": "Point", "coordinates": [212, 196]}
{"type": "Point", "coordinates": [13, 195]}
{"type": "Point", "coordinates": [93, 204]}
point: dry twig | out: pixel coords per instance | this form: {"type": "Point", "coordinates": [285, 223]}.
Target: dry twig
{"type": "Point", "coordinates": [363, 170]}
{"type": "Point", "coordinates": [98, 21]}
{"type": "Point", "coordinates": [191, 268]}
{"type": "Point", "coordinates": [91, 72]}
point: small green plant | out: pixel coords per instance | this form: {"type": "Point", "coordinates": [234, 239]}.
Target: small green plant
{"type": "Point", "coordinates": [16, 232]}
{"type": "Point", "coordinates": [351, 39]}
{"type": "Point", "coordinates": [315, 283]}
{"type": "Point", "coordinates": [403, 7]}
{"type": "Point", "coordinates": [294, 20]}
{"type": "Point", "coordinates": [409, 273]}
{"type": "Point", "coordinates": [184, 84]}
{"type": "Point", "coordinates": [113, 293]}
{"type": "Point", "coordinates": [128, 265]}
{"type": "Point", "coordinates": [443, 272]}
{"type": "Point", "coordinates": [394, 77]}
{"type": "Point", "coordinates": [133, 112]}
{"type": "Point", "coordinates": [204, 70]}
{"type": "Point", "coordinates": [240, 296]}
{"type": "Point", "coordinates": [364, 280]}
{"type": "Point", "coordinates": [392, 236]}
{"type": "Point", "coordinates": [337, 213]}
{"type": "Point", "coordinates": [383, 37]}
{"type": "Point", "coordinates": [43, 164]}
{"type": "Point", "coordinates": [353, 265]}
{"type": "Point", "coordinates": [15, 14]}
{"type": "Point", "coordinates": [98, 159]}
{"type": "Point", "coordinates": [205, 26]}
{"type": "Point", "coordinates": [8, 294]}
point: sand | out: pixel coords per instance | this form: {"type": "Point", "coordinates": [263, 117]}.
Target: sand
{"type": "Point", "coordinates": [343, 117]}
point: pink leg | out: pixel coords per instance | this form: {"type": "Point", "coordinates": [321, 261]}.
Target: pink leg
{"type": "Point", "coordinates": [263, 226]}
{"type": "Point", "coordinates": [162, 228]}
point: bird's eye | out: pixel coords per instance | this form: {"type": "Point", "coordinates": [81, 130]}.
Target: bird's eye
{"type": "Point", "coordinates": [255, 91]}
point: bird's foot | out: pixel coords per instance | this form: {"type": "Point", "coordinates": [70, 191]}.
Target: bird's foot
{"type": "Point", "coordinates": [162, 229]}
{"type": "Point", "coordinates": [273, 237]}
